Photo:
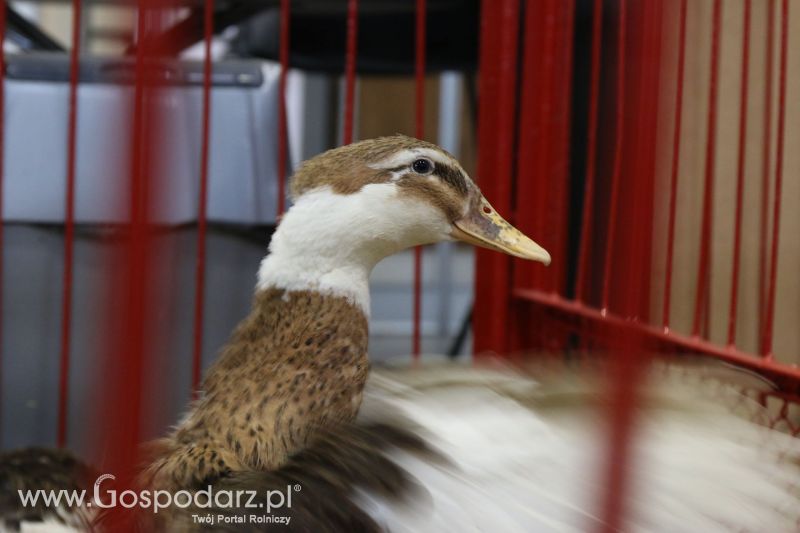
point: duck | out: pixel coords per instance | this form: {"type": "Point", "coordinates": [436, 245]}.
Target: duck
{"type": "Point", "coordinates": [299, 360]}
{"type": "Point", "coordinates": [292, 415]}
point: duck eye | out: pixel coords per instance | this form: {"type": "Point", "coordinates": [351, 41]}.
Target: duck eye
{"type": "Point", "coordinates": [422, 166]}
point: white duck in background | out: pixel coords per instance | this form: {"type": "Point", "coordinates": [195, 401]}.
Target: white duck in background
{"type": "Point", "coordinates": [447, 448]}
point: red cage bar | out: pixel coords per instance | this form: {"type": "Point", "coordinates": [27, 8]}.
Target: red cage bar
{"type": "Point", "coordinates": [126, 394]}
{"type": "Point", "coordinates": [69, 227]}
{"type": "Point", "coordinates": [351, 55]}
{"type": "Point", "coordinates": [766, 153]}
{"type": "Point", "coordinates": [526, 125]}
{"type": "Point", "coordinates": [766, 349]}
{"type": "Point", "coordinates": [118, 425]}
{"type": "Point", "coordinates": [519, 307]}
{"type": "Point", "coordinates": [496, 139]}
{"type": "Point", "coordinates": [202, 200]}
{"type": "Point", "coordinates": [283, 144]}
{"type": "Point", "coordinates": [619, 130]}
{"type": "Point", "coordinates": [737, 239]}
{"type": "Point", "coordinates": [504, 285]}
{"type": "Point", "coordinates": [591, 151]}
{"type": "Point", "coordinates": [676, 151]}
{"type": "Point", "coordinates": [419, 133]}
{"type": "Point", "coordinates": [704, 267]}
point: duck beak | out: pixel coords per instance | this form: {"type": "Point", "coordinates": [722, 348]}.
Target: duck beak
{"type": "Point", "coordinates": [483, 226]}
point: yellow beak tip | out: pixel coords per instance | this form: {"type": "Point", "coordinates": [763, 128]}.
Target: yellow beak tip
{"type": "Point", "coordinates": [545, 259]}
{"type": "Point", "coordinates": [538, 254]}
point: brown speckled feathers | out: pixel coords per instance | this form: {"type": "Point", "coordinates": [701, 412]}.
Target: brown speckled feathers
{"type": "Point", "coordinates": [296, 363]}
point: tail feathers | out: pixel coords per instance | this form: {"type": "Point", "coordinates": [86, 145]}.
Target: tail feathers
{"type": "Point", "coordinates": [315, 491]}
{"type": "Point", "coordinates": [28, 470]}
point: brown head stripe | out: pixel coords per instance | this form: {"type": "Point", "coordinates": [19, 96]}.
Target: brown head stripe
{"type": "Point", "coordinates": [450, 175]}
{"type": "Point", "coordinates": [453, 177]}
{"type": "Point", "coordinates": [346, 161]}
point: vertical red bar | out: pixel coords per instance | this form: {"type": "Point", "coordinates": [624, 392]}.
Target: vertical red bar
{"type": "Point", "coordinates": [202, 201]}
{"type": "Point", "coordinates": [543, 129]}
{"type": "Point", "coordinates": [650, 64]}
{"type": "Point", "coordinates": [419, 69]}
{"type": "Point", "coordinates": [541, 121]}
{"type": "Point", "coordinates": [496, 122]}
{"type": "Point", "coordinates": [737, 238]}
{"type": "Point", "coordinates": [703, 267]}
{"type": "Point", "coordinates": [69, 227]}
{"type": "Point", "coordinates": [2, 188]}
{"type": "Point", "coordinates": [629, 358]}
{"type": "Point", "coordinates": [350, 69]}
{"type": "Point", "coordinates": [540, 66]}
{"type": "Point", "coordinates": [625, 374]}
{"type": "Point", "coordinates": [765, 154]}
{"type": "Point", "coordinates": [119, 424]}
{"type": "Point", "coordinates": [617, 165]}
{"type": "Point", "coordinates": [419, 133]}
{"type": "Point", "coordinates": [591, 152]}
{"type": "Point", "coordinates": [557, 212]}
{"type": "Point", "coordinates": [282, 127]}
{"type": "Point", "coordinates": [674, 171]}
{"type": "Point", "coordinates": [766, 348]}
{"type": "Point", "coordinates": [137, 256]}
{"type": "Point", "coordinates": [533, 124]}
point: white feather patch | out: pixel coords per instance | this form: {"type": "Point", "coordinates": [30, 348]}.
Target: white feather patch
{"type": "Point", "coordinates": [518, 468]}
{"type": "Point", "coordinates": [329, 242]}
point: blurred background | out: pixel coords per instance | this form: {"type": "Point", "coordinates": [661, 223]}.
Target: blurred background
{"type": "Point", "coordinates": [243, 173]}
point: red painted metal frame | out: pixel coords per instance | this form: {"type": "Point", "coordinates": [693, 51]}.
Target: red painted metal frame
{"type": "Point", "coordinates": [611, 327]}
{"type": "Point", "coordinates": [591, 152]}
{"type": "Point", "coordinates": [130, 331]}
{"type": "Point", "coordinates": [535, 120]}
{"type": "Point", "coordinates": [676, 151]}
{"type": "Point", "coordinates": [351, 54]}
{"type": "Point", "coordinates": [282, 126]}
{"type": "Point", "coordinates": [639, 38]}
{"type": "Point", "coordinates": [737, 238]}
{"type": "Point", "coordinates": [419, 133]}
{"type": "Point", "coordinates": [202, 201]}
{"type": "Point", "coordinates": [619, 131]}
{"type": "Point", "coordinates": [119, 424]}
{"type": "Point", "coordinates": [496, 127]}
{"type": "Point", "coordinates": [766, 348]}
{"type": "Point", "coordinates": [540, 140]}
{"type": "Point", "coordinates": [766, 152]}
{"type": "Point", "coordinates": [513, 300]}
{"type": "Point", "coordinates": [561, 166]}
{"type": "Point", "coordinates": [704, 261]}
{"type": "Point", "coordinates": [69, 227]}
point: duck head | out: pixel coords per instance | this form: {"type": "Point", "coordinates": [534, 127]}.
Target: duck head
{"type": "Point", "coordinates": [362, 202]}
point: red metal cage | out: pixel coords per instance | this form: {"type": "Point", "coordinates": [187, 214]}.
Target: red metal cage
{"type": "Point", "coordinates": [636, 97]}
{"type": "Point", "coordinates": [592, 162]}
{"type": "Point", "coordinates": [605, 190]}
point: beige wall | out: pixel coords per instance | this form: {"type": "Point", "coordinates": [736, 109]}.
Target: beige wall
{"type": "Point", "coordinates": [110, 26]}
{"type": "Point", "coordinates": [386, 106]}
{"type": "Point", "coordinates": [692, 172]}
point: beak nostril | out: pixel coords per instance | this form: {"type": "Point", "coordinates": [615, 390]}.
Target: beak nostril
{"type": "Point", "coordinates": [487, 209]}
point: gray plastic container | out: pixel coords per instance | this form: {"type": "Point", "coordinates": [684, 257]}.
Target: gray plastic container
{"type": "Point", "coordinates": [243, 144]}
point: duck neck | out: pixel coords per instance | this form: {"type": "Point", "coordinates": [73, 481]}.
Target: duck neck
{"type": "Point", "coordinates": [327, 243]}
